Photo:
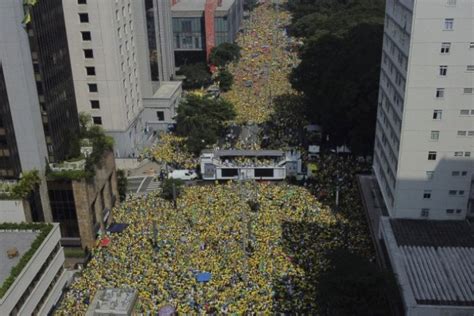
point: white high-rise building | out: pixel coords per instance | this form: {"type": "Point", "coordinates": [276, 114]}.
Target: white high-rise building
{"type": "Point", "coordinates": [108, 43]}
{"type": "Point", "coordinates": [424, 144]}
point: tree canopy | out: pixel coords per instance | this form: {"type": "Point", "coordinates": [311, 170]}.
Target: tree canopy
{"type": "Point", "coordinates": [224, 53]}
{"type": "Point", "coordinates": [340, 67]}
{"type": "Point", "coordinates": [202, 120]}
{"type": "Point", "coordinates": [225, 79]}
{"type": "Point", "coordinates": [197, 75]}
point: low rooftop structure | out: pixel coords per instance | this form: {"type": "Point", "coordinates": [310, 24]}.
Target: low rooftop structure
{"type": "Point", "coordinates": [113, 301]}
{"type": "Point", "coordinates": [434, 264]}
{"type": "Point", "coordinates": [22, 241]}
{"type": "Point", "coordinates": [31, 282]}
{"type": "Point", "coordinates": [249, 164]}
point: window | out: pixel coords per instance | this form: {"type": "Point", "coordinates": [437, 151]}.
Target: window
{"type": "Point", "coordinates": [471, 45]}
{"type": "Point", "coordinates": [448, 24]}
{"type": "Point", "coordinates": [461, 192]}
{"type": "Point", "coordinates": [445, 47]}
{"type": "Point", "coordinates": [437, 114]}
{"type": "Point", "coordinates": [443, 70]}
{"type": "Point", "coordinates": [429, 175]}
{"type": "Point", "coordinates": [81, 1]}
{"type": "Point", "coordinates": [86, 36]}
{"type": "Point", "coordinates": [458, 211]}
{"type": "Point", "coordinates": [455, 173]}
{"type": "Point", "coordinates": [440, 93]}
{"type": "Point", "coordinates": [97, 120]}
{"type": "Point", "coordinates": [470, 68]}
{"type": "Point", "coordinates": [470, 133]}
{"type": "Point", "coordinates": [432, 155]}
{"type": "Point", "coordinates": [425, 212]}
{"type": "Point", "coordinates": [458, 154]}
{"type": "Point", "coordinates": [468, 90]}
{"type": "Point", "coordinates": [452, 192]}
{"type": "Point", "coordinates": [92, 87]}
{"type": "Point", "coordinates": [427, 194]}
{"type": "Point", "coordinates": [450, 211]}
{"type": "Point", "coordinates": [467, 154]}
{"type": "Point", "coordinates": [464, 112]}
{"type": "Point", "coordinates": [464, 173]}
{"type": "Point", "coordinates": [90, 71]}
{"type": "Point", "coordinates": [160, 115]}
{"type": "Point", "coordinates": [88, 53]}
{"type": "Point", "coordinates": [434, 135]}
{"type": "Point", "coordinates": [461, 133]}
{"type": "Point", "coordinates": [84, 17]}
{"type": "Point", "coordinates": [451, 2]}
{"type": "Point", "coordinates": [95, 104]}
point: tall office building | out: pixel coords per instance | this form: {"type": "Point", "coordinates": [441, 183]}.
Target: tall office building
{"type": "Point", "coordinates": [110, 59]}
{"type": "Point", "coordinates": [424, 146]}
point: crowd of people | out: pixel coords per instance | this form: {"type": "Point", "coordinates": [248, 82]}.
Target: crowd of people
{"type": "Point", "coordinates": [266, 61]}
{"type": "Point", "coordinates": [171, 151]}
{"type": "Point", "coordinates": [261, 259]}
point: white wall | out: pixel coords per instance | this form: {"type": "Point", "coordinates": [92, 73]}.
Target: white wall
{"type": "Point", "coordinates": [12, 211]}
{"type": "Point", "coordinates": [419, 102]}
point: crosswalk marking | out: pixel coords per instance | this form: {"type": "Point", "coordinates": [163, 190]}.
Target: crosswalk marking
{"type": "Point", "coordinates": [154, 185]}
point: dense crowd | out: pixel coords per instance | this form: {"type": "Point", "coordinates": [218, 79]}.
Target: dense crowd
{"type": "Point", "coordinates": [171, 151]}
{"type": "Point", "coordinates": [264, 259]}
{"type": "Point", "coordinates": [267, 60]}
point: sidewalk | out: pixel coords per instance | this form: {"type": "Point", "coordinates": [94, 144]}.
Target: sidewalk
{"type": "Point", "coordinates": [146, 168]}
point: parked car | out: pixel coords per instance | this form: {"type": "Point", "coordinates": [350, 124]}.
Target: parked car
{"type": "Point", "coordinates": [183, 174]}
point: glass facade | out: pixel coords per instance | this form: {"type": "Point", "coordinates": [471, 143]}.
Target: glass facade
{"type": "Point", "coordinates": [221, 27]}
{"type": "Point", "coordinates": [63, 208]}
{"type": "Point", "coordinates": [152, 46]}
{"type": "Point", "coordinates": [51, 63]}
{"type": "Point", "coordinates": [10, 167]}
{"type": "Point", "coordinates": [187, 33]}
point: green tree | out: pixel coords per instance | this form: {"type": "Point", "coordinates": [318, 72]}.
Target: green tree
{"type": "Point", "coordinates": [249, 5]}
{"type": "Point", "coordinates": [167, 188]}
{"type": "Point", "coordinates": [197, 75]}
{"type": "Point", "coordinates": [354, 286]}
{"type": "Point", "coordinates": [122, 184]}
{"type": "Point", "coordinates": [224, 53]}
{"type": "Point", "coordinates": [202, 120]}
{"type": "Point", "coordinates": [85, 120]}
{"type": "Point", "coordinates": [339, 78]}
{"type": "Point", "coordinates": [225, 79]}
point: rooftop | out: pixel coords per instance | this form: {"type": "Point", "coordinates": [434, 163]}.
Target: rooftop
{"type": "Point", "coordinates": [113, 301]}
{"type": "Point", "coordinates": [20, 240]}
{"type": "Point", "coordinates": [251, 153]}
{"type": "Point", "coordinates": [433, 260]}
{"type": "Point", "coordinates": [198, 5]}
{"type": "Point", "coordinates": [167, 89]}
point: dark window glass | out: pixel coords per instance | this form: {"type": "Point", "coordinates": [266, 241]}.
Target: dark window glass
{"type": "Point", "coordinates": [84, 17]}
{"type": "Point", "coordinates": [88, 53]}
{"type": "Point", "coordinates": [95, 104]}
{"type": "Point", "coordinates": [97, 120]}
{"type": "Point", "coordinates": [90, 71]}
{"type": "Point", "coordinates": [93, 87]}
{"type": "Point", "coordinates": [86, 36]}
{"type": "Point", "coordinates": [263, 173]}
{"type": "Point", "coordinates": [230, 172]}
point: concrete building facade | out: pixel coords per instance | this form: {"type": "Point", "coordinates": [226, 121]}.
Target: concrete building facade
{"type": "Point", "coordinates": [111, 65]}
{"type": "Point", "coordinates": [424, 146]}
{"type": "Point", "coordinates": [83, 207]}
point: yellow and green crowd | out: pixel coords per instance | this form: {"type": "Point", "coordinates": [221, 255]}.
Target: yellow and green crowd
{"type": "Point", "coordinates": [265, 63]}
